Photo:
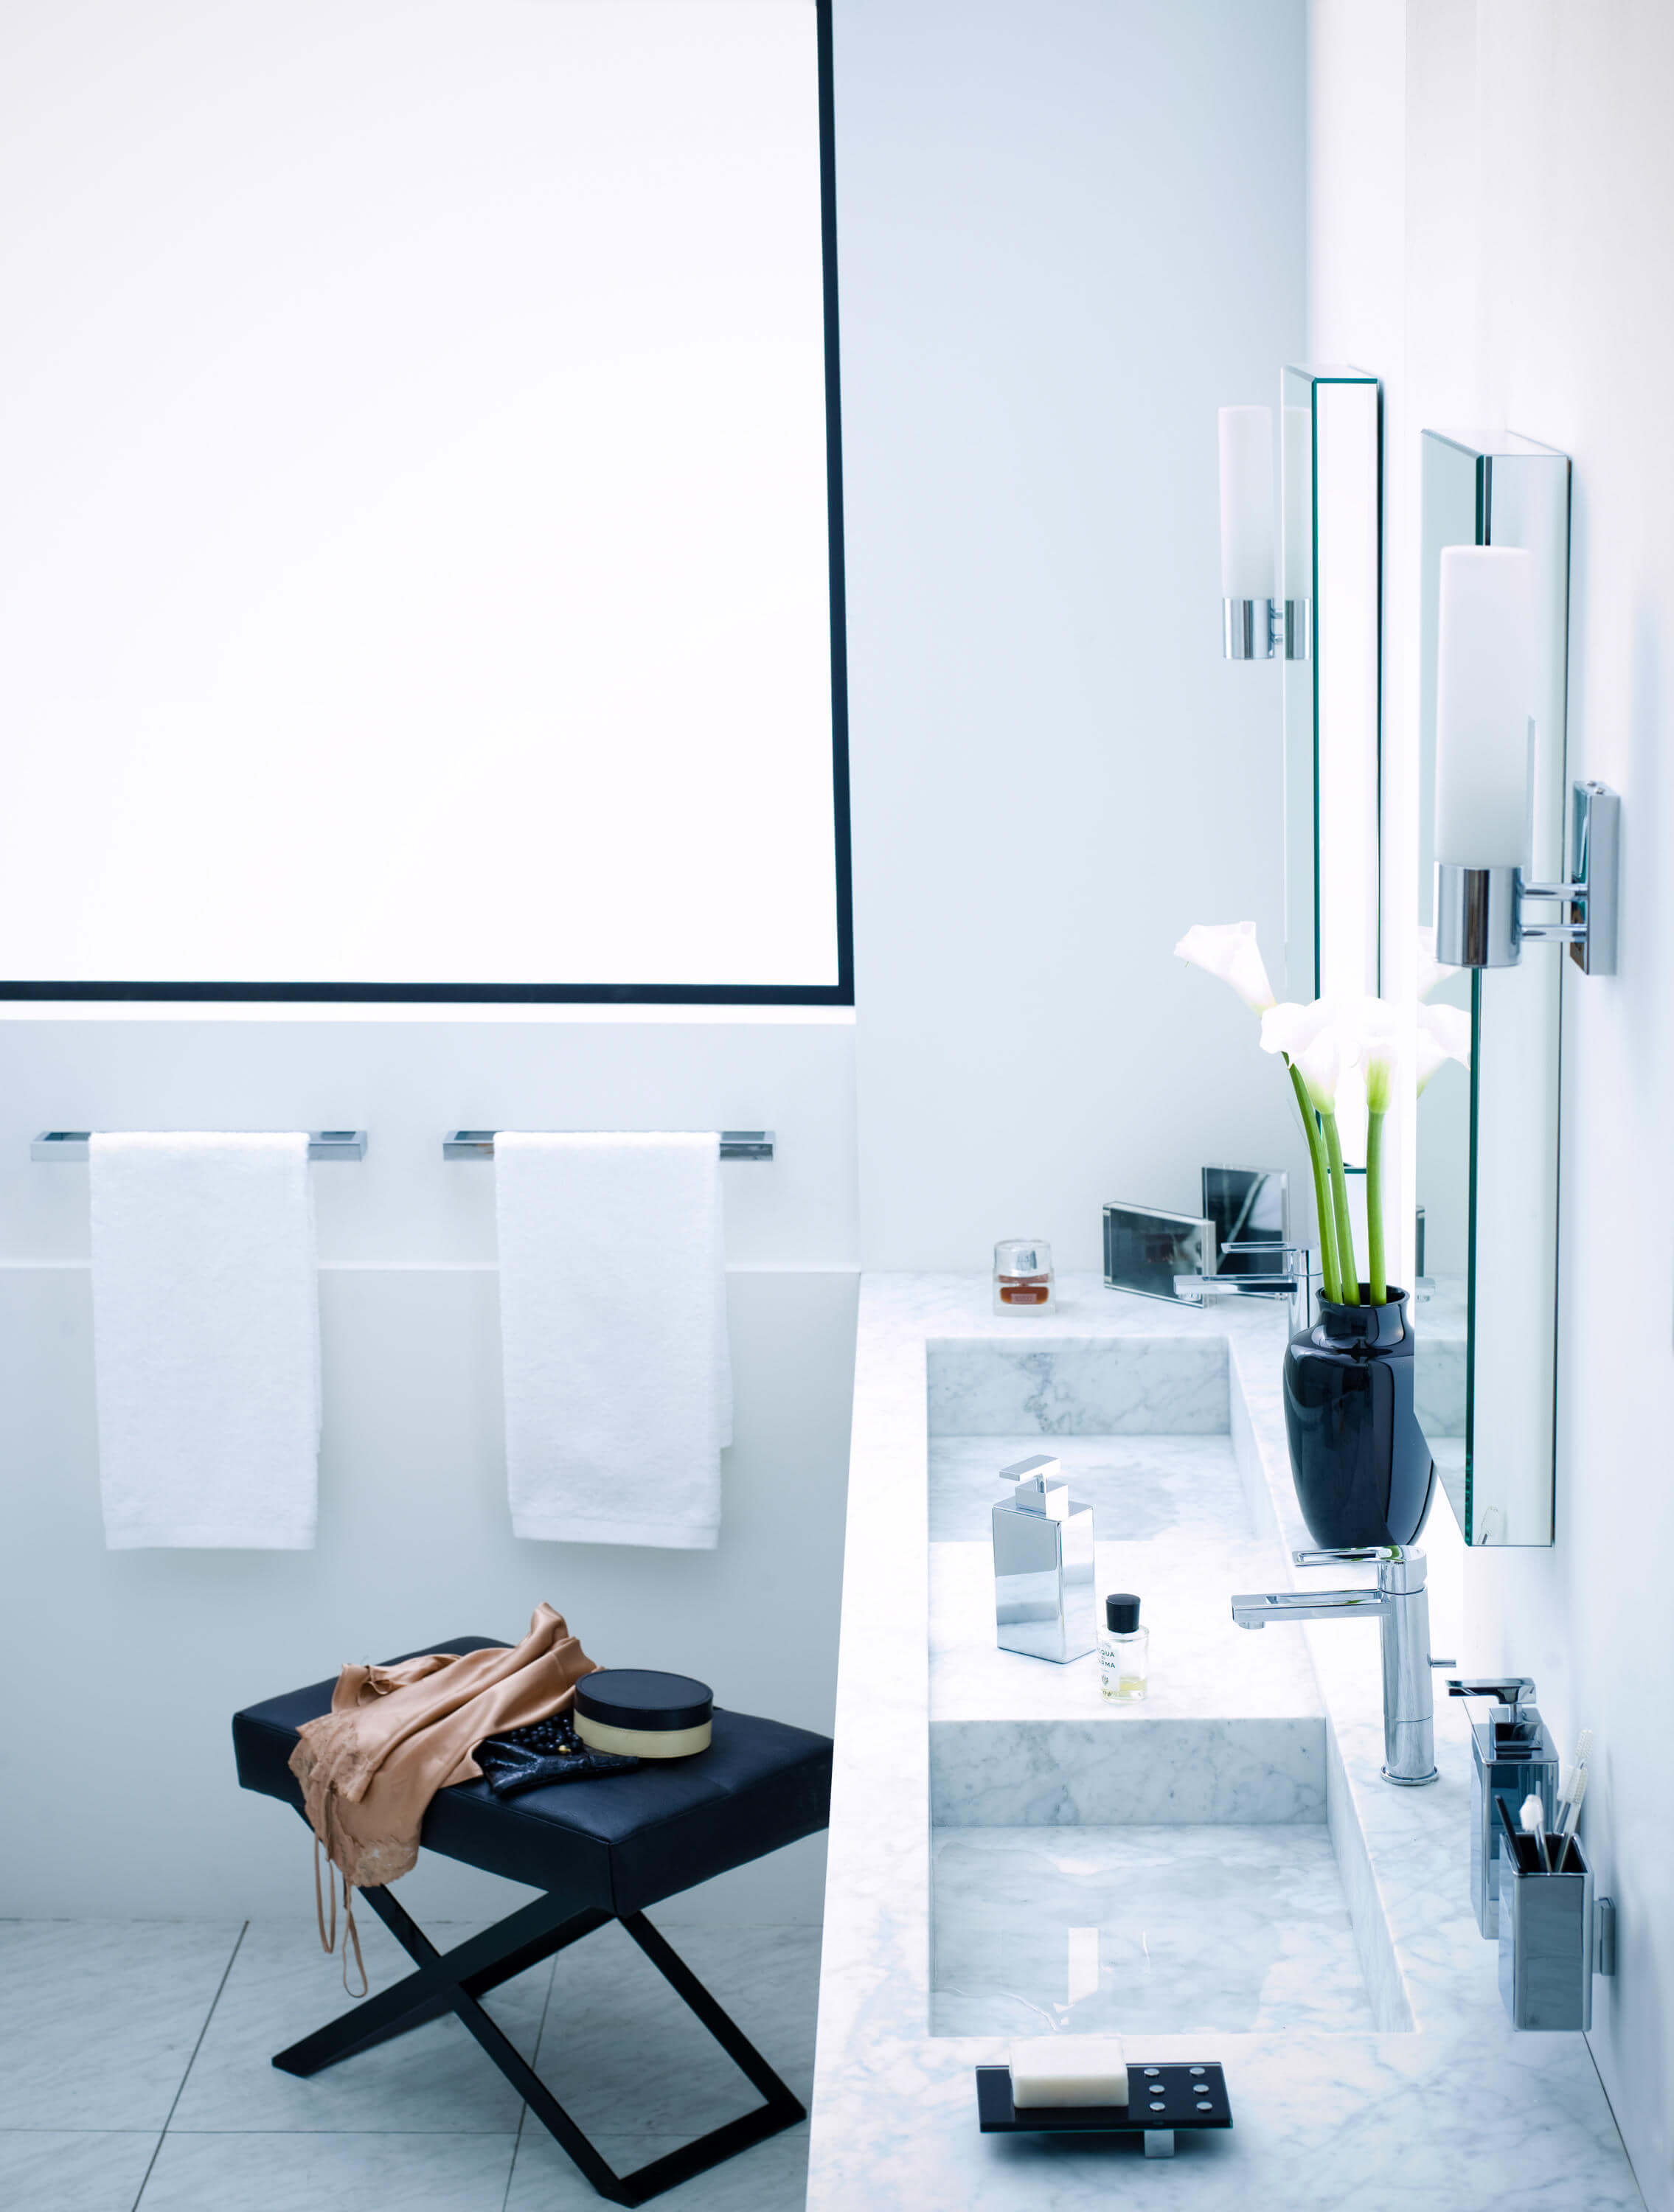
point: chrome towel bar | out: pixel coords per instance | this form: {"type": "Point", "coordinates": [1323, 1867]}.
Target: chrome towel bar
{"type": "Point", "coordinates": [735, 1145]}
{"type": "Point", "coordinates": [323, 1145]}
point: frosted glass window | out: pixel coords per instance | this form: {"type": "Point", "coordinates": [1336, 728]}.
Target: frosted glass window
{"type": "Point", "coordinates": [419, 545]}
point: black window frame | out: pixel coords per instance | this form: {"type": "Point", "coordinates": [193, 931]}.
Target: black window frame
{"type": "Point", "coordinates": [840, 994]}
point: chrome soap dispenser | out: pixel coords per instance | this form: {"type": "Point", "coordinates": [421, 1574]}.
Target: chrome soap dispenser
{"type": "Point", "coordinates": [1513, 1756]}
{"type": "Point", "coordinates": [1043, 1565]}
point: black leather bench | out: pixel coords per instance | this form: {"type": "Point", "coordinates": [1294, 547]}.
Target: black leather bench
{"type": "Point", "coordinates": [601, 1851]}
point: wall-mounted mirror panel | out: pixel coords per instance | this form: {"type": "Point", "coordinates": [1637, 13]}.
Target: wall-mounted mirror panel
{"type": "Point", "coordinates": [1487, 1139]}
{"type": "Point", "coordinates": [1330, 456]}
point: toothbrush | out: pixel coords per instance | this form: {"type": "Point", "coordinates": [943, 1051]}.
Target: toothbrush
{"type": "Point", "coordinates": [1567, 1788]}
{"type": "Point", "coordinates": [1534, 1824]}
{"type": "Point", "coordinates": [1572, 1812]}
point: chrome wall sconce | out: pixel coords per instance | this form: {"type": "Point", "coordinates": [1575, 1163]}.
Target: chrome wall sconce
{"type": "Point", "coordinates": [1479, 911]}
{"type": "Point", "coordinates": [1255, 625]}
{"type": "Point", "coordinates": [1485, 743]}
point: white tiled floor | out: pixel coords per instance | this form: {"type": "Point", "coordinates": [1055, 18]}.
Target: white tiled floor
{"type": "Point", "coordinates": [135, 2073]}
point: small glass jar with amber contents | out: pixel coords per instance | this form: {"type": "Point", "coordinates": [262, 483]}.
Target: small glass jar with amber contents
{"type": "Point", "coordinates": [1023, 1276]}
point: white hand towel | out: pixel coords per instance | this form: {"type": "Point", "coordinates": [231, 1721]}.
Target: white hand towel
{"type": "Point", "coordinates": [613, 1318]}
{"type": "Point", "coordinates": [206, 1341]}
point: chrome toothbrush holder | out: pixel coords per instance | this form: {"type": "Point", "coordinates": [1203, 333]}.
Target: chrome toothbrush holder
{"type": "Point", "coordinates": [1554, 1936]}
{"type": "Point", "coordinates": [1513, 1756]}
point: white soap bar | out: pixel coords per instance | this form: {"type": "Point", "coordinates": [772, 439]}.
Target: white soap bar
{"type": "Point", "coordinates": [1068, 2070]}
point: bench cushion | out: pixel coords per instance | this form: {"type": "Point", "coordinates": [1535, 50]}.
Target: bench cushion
{"type": "Point", "coordinates": [617, 1843]}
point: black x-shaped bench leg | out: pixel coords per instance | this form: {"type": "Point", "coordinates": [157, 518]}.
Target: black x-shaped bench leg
{"type": "Point", "coordinates": [456, 1981]}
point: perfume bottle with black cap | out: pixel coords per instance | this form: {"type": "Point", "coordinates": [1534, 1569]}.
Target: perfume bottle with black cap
{"type": "Point", "coordinates": [1124, 1651]}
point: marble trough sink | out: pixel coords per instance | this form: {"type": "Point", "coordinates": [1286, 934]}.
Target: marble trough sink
{"type": "Point", "coordinates": [1099, 1868]}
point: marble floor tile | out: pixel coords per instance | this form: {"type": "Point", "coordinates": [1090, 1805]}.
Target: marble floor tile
{"type": "Point", "coordinates": [772, 2177]}
{"type": "Point", "coordinates": [281, 1985]}
{"type": "Point", "coordinates": [84, 2170]}
{"type": "Point", "coordinates": [1120, 1930]}
{"type": "Point", "coordinates": [99, 2018]}
{"type": "Point", "coordinates": [308, 2172]}
{"type": "Point", "coordinates": [624, 2055]}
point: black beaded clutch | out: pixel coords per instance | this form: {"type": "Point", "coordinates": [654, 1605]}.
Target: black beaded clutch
{"type": "Point", "coordinates": [546, 1750]}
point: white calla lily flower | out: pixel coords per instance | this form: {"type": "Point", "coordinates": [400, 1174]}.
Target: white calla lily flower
{"type": "Point", "coordinates": [1443, 1034]}
{"type": "Point", "coordinates": [1229, 951]}
{"type": "Point", "coordinates": [1380, 1040]}
{"type": "Point", "coordinates": [1309, 1038]}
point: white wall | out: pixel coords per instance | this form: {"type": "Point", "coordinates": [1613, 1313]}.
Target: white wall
{"type": "Point", "coordinates": [1066, 233]}
{"type": "Point", "coordinates": [1491, 198]}
{"type": "Point", "coordinates": [154, 1651]}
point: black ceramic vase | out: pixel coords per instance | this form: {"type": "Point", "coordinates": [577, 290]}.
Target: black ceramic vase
{"type": "Point", "coordinates": [1363, 1470]}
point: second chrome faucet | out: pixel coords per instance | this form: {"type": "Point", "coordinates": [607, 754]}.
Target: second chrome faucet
{"type": "Point", "coordinates": [1401, 1607]}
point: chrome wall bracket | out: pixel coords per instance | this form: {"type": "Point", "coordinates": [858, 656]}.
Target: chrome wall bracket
{"type": "Point", "coordinates": [1603, 1924]}
{"type": "Point", "coordinates": [73, 1145]}
{"type": "Point", "coordinates": [1479, 911]}
{"type": "Point", "coordinates": [1265, 630]}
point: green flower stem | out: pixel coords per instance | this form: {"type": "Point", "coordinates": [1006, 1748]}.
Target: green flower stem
{"type": "Point", "coordinates": [1374, 1209]}
{"type": "Point", "coordinates": [1321, 1205]}
{"type": "Point", "coordinates": [1348, 1275]}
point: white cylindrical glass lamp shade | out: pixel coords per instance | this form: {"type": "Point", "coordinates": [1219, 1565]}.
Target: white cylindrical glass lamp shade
{"type": "Point", "coordinates": [1299, 503]}
{"type": "Point", "coordinates": [1247, 502]}
{"type": "Point", "coordinates": [1484, 691]}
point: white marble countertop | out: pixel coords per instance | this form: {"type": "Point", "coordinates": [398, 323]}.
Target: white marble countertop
{"type": "Point", "coordinates": [1454, 2112]}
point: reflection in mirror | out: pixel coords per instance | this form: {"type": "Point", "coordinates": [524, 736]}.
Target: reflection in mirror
{"type": "Point", "coordinates": [1330, 469]}
{"type": "Point", "coordinates": [1488, 1140]}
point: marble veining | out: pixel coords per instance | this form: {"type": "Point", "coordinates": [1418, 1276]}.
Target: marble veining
{"type": "Point", "coordinates": [1455, 2113]}
{"type": "Point", "coordinates": [1060, 1386]}
{"type": "Point", "coordinates": [1097, 1930]}
{"type": "Point", "coordinates": [1139, 1486]}
{"type": "Point", "coordinates": [1144, 1772]}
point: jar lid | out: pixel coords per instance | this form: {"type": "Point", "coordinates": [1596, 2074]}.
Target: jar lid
{"type": "Point", "coordinates": [636, 1697]}
{"type": "Point", "coordinates": [1122, 1613]}
{"type": "Point", "coordinates": [1022, 1255]}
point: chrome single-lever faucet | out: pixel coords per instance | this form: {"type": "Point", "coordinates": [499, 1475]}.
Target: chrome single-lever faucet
{"type": "Point", "coordinates": [1289, 1274]}
{"type": "Point", "coordinates": [1401, 1607]}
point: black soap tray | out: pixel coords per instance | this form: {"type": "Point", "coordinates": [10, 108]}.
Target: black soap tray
{"type": "Point", "coordinates": [1162, 2096]}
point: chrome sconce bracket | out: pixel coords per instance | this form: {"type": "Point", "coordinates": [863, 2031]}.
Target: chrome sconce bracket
{"type": "Point", "coordinates": [1479, 911]}
{"type": "Point", "coordinates": [1265, 630]}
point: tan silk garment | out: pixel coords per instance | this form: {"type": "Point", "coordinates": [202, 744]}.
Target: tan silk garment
{"type": "Point", "coordinates": [397, 1734]}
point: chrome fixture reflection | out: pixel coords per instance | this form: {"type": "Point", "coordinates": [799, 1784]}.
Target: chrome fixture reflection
{"type": "Point", "coordinates": [1479, 911]}
{"type": "Point", "coordinates": [1289, 1274]}
{"type": "Point", "coordinates": [1238, 1246]}
{"type": "Point", "coordinates": [1252, 1256]}
{"type": "Point", "coordinates": [1401, 1607]}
